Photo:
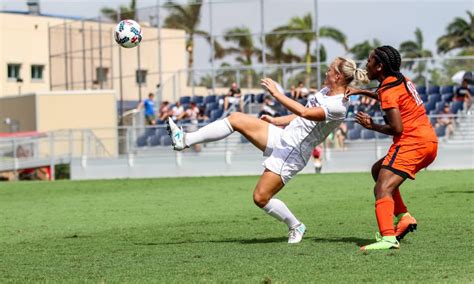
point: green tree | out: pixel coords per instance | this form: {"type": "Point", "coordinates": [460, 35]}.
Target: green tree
{"type": "Point", "coordinates": [303, 31]}
{"type": "Point", "coordinates": [126, 12]}
{"type": "Point", "coordinates": [459, 35]}
{"type": "Point", "coordinates": [275, 52]}
{"type": "Point", "coordinates": [362, 50]}
{"type": "Point", "coordinates": [187, 18]}
{"type": "Point", "coordinates": [414, 49]}
{"type": "Point", "coordinates": [245, 49]}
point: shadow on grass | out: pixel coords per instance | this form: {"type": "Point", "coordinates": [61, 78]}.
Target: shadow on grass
{"type": "Point", "coordinates": [357, 241]}
{"type": "Point", "coordinates": [459, 191]}
{"type": "Point", "coordinates": [249, 241]}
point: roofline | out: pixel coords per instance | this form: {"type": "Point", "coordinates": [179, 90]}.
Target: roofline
{"type": "Point", "coordinates": [26, 13]}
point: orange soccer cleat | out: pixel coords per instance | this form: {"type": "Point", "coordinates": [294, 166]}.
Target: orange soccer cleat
{"type": "Point", "coordinates": [406, 223]}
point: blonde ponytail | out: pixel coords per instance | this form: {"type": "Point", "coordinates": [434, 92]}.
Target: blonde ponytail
{"type": "Point", "coordinates": [352, 75]}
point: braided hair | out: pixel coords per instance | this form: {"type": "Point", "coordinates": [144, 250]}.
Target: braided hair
{"type": "Point", "coordinates": [391, 60]}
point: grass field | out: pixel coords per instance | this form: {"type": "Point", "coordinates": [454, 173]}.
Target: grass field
{"type": "Point", "coordinates": [207, 229]}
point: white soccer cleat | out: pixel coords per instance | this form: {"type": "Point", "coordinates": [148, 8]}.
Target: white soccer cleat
{"type": "Point", "coordinates": [177, 135]}
{"type": "Point", "coordinates": [296, 234]}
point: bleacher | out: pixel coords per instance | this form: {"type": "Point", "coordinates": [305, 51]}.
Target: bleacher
{"type": "Point", "coordinates": [434, 99]}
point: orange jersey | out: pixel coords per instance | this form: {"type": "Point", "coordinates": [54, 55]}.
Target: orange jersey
{"type": "Point", "coordinates": [416, 124]}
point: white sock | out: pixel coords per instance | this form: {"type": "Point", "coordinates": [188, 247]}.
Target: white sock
{"type": "Point", "coordinates": [278, 210]}
{"type": "Point", "coordinates": [214, 131]}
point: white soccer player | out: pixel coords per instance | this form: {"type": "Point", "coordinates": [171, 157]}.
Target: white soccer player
{"type": "Point", "coordinates": [289, 149]}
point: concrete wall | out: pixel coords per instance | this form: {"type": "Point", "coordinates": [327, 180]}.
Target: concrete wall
{"type": "Point", "coordinates": [21, 110]}
{"type": "Point", "coordinates": [62, 110]}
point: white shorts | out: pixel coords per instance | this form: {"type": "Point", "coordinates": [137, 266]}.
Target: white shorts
{"type": "Point", "coordinates": [233, 100]}
{"type": "Point", "coordinates": [283, 159]}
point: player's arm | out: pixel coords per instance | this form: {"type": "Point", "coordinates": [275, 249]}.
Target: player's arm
{"type": "Point", "coordinates": [278, 121]}
{"type": "Point", "coordinates": [393, 127]}
{"type": "Point", "coordinates": [356, 91]}
{"type": "Point", "coordinates": [314, 113]}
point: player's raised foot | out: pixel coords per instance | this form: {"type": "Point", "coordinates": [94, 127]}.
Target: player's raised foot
{"type": "Point", "coordinates": [382, 242]}
{"type": "Point", "coordinates": [406, 223]}
{"type": "Point", "coordinates": [295, 235]}
{"type": "Point", "coordinates": [177, 135]}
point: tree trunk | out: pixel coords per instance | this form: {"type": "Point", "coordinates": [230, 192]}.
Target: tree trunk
{"type": "Point", "coordinates": [308, 65]}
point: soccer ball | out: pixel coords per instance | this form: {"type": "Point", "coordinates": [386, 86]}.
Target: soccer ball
{"type": "Point", "coordinates": [128, 33]}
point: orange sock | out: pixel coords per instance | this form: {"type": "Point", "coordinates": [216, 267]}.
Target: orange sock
{"type": "Point", "coordinates": [399, 205]}
{"type": "Point", "coordinates": [384, 212]}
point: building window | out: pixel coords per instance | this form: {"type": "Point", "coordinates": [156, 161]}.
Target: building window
{"type": "Point", "coordinates": [140, 76]}
{"type": "Point", "coordinates": [37, 72]}
{"type": "Point", "coordinates": [101, 74]}
{"type": "Point", "coordinates": [13, 71]}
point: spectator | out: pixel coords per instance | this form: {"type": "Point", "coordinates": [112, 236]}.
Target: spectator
{"type": "Point", "coordinates": [341, 135]}
{"type": "Point", "coordinates": [149, 106]}
{"type": "Point", "coordinates": [446, 119]}
{"type": "Point", "coordinates": [366, 104]}
{"type": "Point", "coordinates": [234, 96]}
{"type": "Point", "coordinates": [202, 113]}
{"type": "Point", "coordinates": [268, 107]}
{"type": "Point", "coordinates": [301, 91]}
{"type": "Point", "coordinates": [164, 111]}
{"type": "Point", "coordinates": [192, 113]}
{"type": "Point", "coordinates": [293, 92]}
{"type": "Point", "coordinates": [317, 158]}
{"type": "Point", "coordinates": [176, 111]}
{"type": "Point", "coordinates": [463, 94]}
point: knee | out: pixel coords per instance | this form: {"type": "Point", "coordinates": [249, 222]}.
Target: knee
{"type": "Point", "coordinates": [260, 200]}
{"type": "Point", "coordinates": [382, 190]}
{"type": "Point", "coordinates": [234, 119]}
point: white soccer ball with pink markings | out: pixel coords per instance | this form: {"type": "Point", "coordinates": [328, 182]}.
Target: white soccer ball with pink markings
{"type": "Point", "coordinates": [128, 33]}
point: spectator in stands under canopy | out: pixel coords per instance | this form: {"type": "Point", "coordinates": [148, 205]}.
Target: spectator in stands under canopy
{"type": "Point", "coordinates": [149, 106]}
{"type": "Point", "coordinates": [164, 111]}
{"type": "Point", "coordinates": [318, 158]}
{"type": "Point", "coordinates": [176, 111]}
{"type": "Point", "coordinates": [446, 118]}
{"type": "Point", "coordinates": [234, 97]}
{"type": "Point", "coordinates": [341, 135]}
{"type": "Point", "coordinates": [463, 94]}
{"type": "Point", "coordinates": [192, 113]}
{"type": "Point", "coordinates": [301, 92]}
{"type": "Point", "coordinates": [268, 107]}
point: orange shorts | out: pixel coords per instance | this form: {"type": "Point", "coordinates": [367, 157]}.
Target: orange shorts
{"type": "Point", "coordinates": [407, 160]}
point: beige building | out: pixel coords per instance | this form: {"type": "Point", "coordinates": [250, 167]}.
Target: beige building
{"type": "Point", "coordinates": [84, 56]}
{"type": "Point", "coordinates": [76, 113]}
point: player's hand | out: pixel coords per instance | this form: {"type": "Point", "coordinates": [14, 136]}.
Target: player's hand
{"type": "Point", "coordinates": [350, 91]}
{"type": "Point", "coordinates": [364, 119]}
{"type": "Point", "coordinates": [269, 85]}
{"type": "Point", "coordinates": [267, 118]}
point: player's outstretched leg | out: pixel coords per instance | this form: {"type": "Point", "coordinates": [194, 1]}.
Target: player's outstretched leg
{"type": "Point", "coordinates": [269, 185]}
{"type": "Point", "coordinates": [254, 129]}
{"type": "Point", "coordinates": [214, 131]}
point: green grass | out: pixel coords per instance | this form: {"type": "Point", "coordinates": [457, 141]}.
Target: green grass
{"type": "Point", "coordinates": [207, 229]}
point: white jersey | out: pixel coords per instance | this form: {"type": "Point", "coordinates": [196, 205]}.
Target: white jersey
{"type": "Point", "coordinates": [304, 134]}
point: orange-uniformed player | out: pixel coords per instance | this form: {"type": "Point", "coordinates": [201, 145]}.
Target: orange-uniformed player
{"type": "Point", "coordinates": [414, 145]}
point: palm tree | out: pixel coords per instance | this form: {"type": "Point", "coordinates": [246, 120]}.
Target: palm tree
{"type": "Point", "coordinates": [362, 50]}
{"type": "Point", "coordinates": [126, 12]}
{"type": "Point", "coordinates": [459, 34]}
{"type": "Point", "coordinates": [187, 18]}
{"type": "Point", "coordinates": [303, 26]}
{"type": "Point", "coordinates": [245, 49]}
{"type": "Point", "coordinates": [275, 53]}
{"type": "Point", "coordinates": [414, 49]}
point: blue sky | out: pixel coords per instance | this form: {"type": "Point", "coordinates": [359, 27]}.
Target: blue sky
{"type": "Point", "coordinates": [390, 21]}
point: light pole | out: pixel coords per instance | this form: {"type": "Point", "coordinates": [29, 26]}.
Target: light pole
{"type": "Point", "coordinates": [19, 81]}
